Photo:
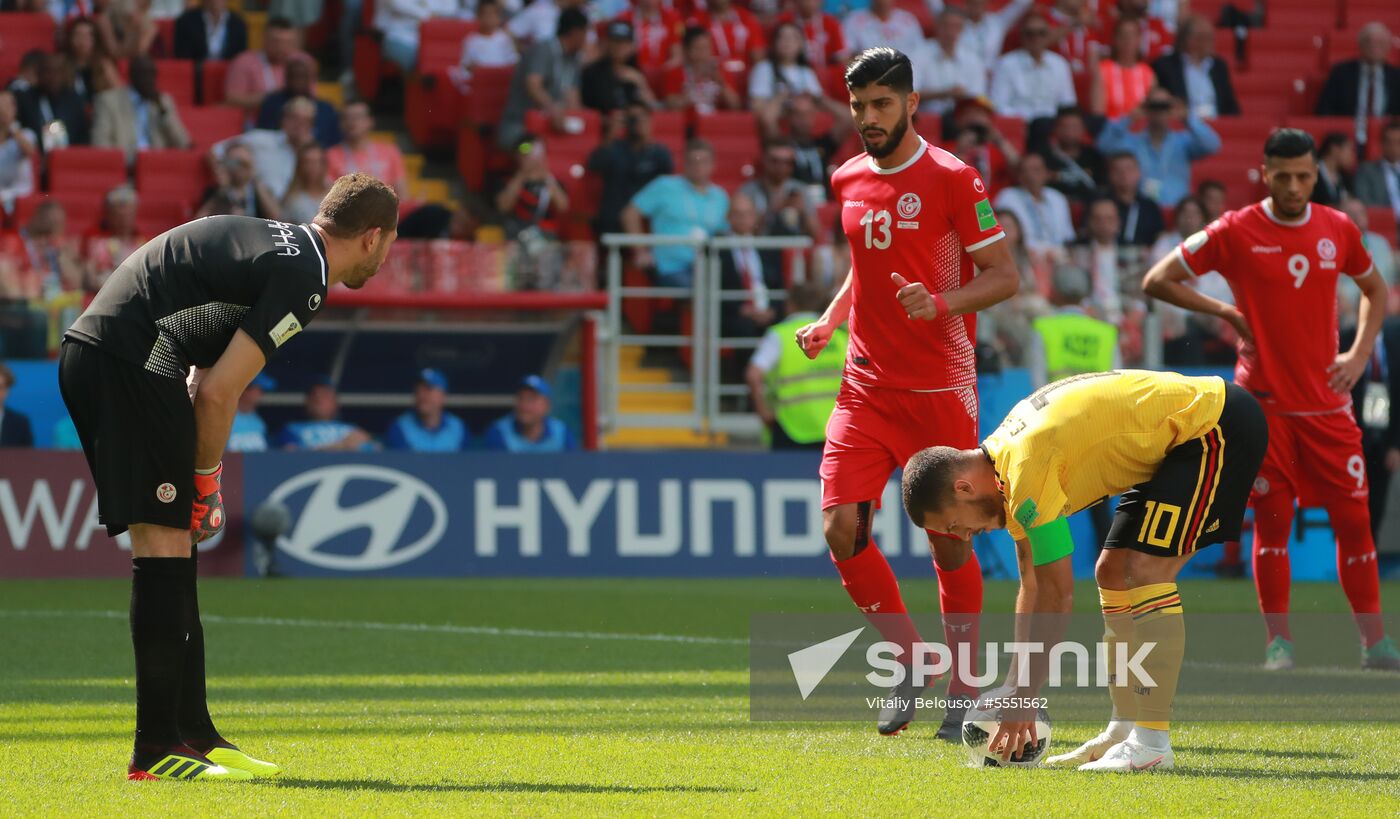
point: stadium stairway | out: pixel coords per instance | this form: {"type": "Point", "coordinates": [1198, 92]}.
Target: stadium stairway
{"type": "Point", "coordinates": [633, 372]}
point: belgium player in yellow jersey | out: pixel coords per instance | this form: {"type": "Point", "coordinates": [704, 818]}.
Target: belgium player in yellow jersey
{"type": "Point", "coordinates": [1183, 452]}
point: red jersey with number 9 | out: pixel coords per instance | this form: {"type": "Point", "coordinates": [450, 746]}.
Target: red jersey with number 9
{"type": "Point", "coordinates": [920, 220]}
{"type": "Point", "coordinates": [1284, 277]}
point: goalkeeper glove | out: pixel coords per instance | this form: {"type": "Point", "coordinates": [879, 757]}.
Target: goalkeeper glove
{"type": "Point", "coordinates": [207, 514]}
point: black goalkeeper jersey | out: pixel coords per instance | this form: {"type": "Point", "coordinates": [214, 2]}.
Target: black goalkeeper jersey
{"type": "Point", "coordinates": [178, 300]}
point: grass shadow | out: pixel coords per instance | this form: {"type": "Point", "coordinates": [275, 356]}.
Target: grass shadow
{"type": "Point", "coordinates": [1216, 750]}
{"type": "Point", "coordinates": [387, 786]}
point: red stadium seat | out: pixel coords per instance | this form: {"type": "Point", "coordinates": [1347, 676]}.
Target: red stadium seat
{"type": "Point", "coordinates": [176, 78]}
{"type": "Point", "coordinates": [165, 37]}
{"type": "Point", "coordinates": [86, 171]}
{"type": "Point", "coordinates": [432, 104]}
{"type": "Point", "coordinates": [23, 32]}
{"type": "Point", "coordinates": [209, 124]}
{"type": "Point", "coordinates": [156, 216]}
{"type": "Point", "coordinates": [84, 211]}
{"type": "Point", "coordinates": [734, 137]}
{"type": "Point", "coordinates": [212, 74]}
{"type": "Point", "coordinates": [171, 175]}
{"type": "Point", "coordinates": [369, 65]}
{"type": "Point", "coordinates": [440, 43]}
{"type": "Point", "coordinates": [1320, 127]}
{"type": "Point", "coordinates": [1382, 221]}
{"type": "Point", "coordinates": [669, 129]}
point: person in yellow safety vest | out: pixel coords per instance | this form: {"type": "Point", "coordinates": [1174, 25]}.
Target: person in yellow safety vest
{"type": "Point", "coordinates": [1070, 341]}
{"type": "Point", "coordinates": [795, 395]}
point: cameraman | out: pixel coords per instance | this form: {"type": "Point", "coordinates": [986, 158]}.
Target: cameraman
{"type": "Point", "coordinates": [625, 164]}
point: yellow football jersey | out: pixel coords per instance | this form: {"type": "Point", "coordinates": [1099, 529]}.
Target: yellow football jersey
{"type": "Point", "coordinates": [1077, 441]}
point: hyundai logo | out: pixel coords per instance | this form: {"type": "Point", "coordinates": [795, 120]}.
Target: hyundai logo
{"type": "Point", "coordinates": [386, 516]}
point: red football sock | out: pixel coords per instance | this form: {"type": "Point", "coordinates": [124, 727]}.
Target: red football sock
{"type": "Point", "coordinates": [1357, 567]}
{"type": "Point", "coordinates": [872, 586]}
{"type": "Point", "coordinates": [1273, 519]}
{"type": "Point", "coordinates": [1231, 549]}
{"type": "Point", "coordinates": [960, 600]}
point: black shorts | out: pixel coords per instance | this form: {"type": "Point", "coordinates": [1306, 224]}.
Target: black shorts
{"type": "Point", "coordinates": [137, 430]}
{"type": "Point", "coordinates": [1199, 493]}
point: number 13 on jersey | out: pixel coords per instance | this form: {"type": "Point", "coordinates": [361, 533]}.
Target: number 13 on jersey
{"type": "Point", "coordinates": [876, 222]}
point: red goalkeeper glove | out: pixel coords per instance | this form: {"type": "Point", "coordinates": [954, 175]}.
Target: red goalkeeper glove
{"type": "Point", "coordinates": [207, 515]}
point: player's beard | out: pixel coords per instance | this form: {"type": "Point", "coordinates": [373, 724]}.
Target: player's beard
{"type": "Point", "coordinates": [892, 139]}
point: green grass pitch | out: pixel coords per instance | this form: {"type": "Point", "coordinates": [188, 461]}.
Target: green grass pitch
{"type": "Point", "coordinates": [372, 717]}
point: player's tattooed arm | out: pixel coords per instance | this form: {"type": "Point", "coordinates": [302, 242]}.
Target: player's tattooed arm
{"type": "Point", "coordinates": [1167, 281]}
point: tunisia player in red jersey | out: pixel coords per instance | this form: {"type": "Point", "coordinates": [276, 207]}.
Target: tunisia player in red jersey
{"type": "Point", "coordinates": [917, 221]}
{"type": "Point", "coordinates": [1282, 258]}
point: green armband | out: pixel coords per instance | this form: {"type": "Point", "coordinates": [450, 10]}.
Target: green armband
{"type": "Point", "coordinates": [1050, 542]}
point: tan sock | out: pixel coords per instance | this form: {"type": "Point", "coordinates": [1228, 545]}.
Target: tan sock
{"type": "Point", "coordinates": [1118, 630]}
{"type": "Point", "coordinates": [1157, 618]}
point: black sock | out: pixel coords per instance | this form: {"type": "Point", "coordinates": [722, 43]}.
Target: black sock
{"type": "Point", "coordinates": [158, 637]}
{"type": "Point", "coordinates": [196, 727]}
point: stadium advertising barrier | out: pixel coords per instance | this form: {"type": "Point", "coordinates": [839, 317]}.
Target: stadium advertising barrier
{"type": "Point", "coordinates": [49, 528]}
{"type": "Point", "coordinates": [687, 514]}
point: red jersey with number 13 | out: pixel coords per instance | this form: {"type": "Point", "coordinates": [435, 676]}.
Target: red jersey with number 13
{"type": "Point", "coordinates": [920, 220]}
{"type": "Point", "coordinates": [1284, 277]}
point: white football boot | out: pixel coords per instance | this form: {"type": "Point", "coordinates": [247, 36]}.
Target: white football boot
{"type": "Point", "coordinates": [1132, 757]}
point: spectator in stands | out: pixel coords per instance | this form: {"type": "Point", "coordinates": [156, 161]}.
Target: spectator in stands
{"type": "Point", "coordinates": [254, 74]}
{"type": "Point", "coordinates": [1101, 255]}
{"type": "Point", "coordinates": [30, 66]}
{"type": "Point", "coordinates": [300, 83]}
{"type": "Point", "coordinates": [547, 79]}
{"type": "Point", "coordinates": [238, 190]}
{"type": "Point", "coordinates": [490, 45]}
{"type": "Point", "coordinates": [980, 143]}
{"type": "Point", "coordinates": [138, 117]}
{"type": "Point", "coordinates": [1076, 166]}
{"type": "Point", "coordinates": [533, 200]}
{"type": "Point", "coordinates": [275, 152]}
{"type": "Point", "coordinates": [625, 165]}
{"type": "Point", "coordinates": [1042, 211]}
{"type": "Point", "coordinates": [323, 431]}
{"type": "Point", "coordinates": [1155, 37]}
{"type": "Point", "coordinates": [1192, 339]}
{"type": "Point", "coordinates": [1193, 73]}
{"type": "Point", "coordinates": [50, 259]}
{"type": "Point", "coordinates": [1074, 34]}
{"type": "Point", "coordinates": [783, 77]}
{"type": "Point", "coordinates": [1380, 428]}
{"type": "Point", "coordinates": [1378, 181]}
{"type": "Point", "coordinates": [538, 21]}
{"type": "Point", "coordinates": [1336, 162]}
{"type": "Point", "coordinates": [1008, 324]}
{"type": "Point", "coordinates": [814, 152]}
{"type": "Point", "coordinates": [15, 430]}
{"type": "Point", "coordinates": [17, 146]}
{"type": "Point", "coordinates": [658, 28]}
{"type": "Point", "coordinates": [210, 31]}
{"type": "Point", "coordinates": [613, 81]}
{"type": "Point", "coordinates": [821, 33]}
{"type": "Point", "coordinates": [53, 109]}
{"type": "Point", "coordinates": [1068, 333]}
{"type": "Point", "coordinates": [737, 35]}
{"type": "Point", "coordinates": [1377, 245]}
{"type": "Point", "coordinates": [791, 395]}
{"type": "Point", "coordinates": [985, 31]}
{"type": "Point", "coordinates": [358, 152]}
{"type": "Point", "coordinates": [698, 84]}
{"type": "Point", "coordinates": [428, 427]}
{"type": "Point", "coordinates": [1123, 79]}
{"type": "Point", "coordinates": [93, 71]}
{"type": "Point", "coordinates": [752, 270]}
{"type": "Point", "coordinates": [309, 186]}
{"type": "Point", "coordinates": [688, 205]}
{"type": "Point", "coordinates": [249, 431]}
{"type": "Point", "coordinates": [1032, 81]}
{"type": "Point", "coordinates": [1367, 86]}
{"type": "Point", "coordinates": [1213, 198]}
{"type": "Point", "coordinates": [779, 200]}
{"type": "Point", "coordinates": [115, 238]}
{"type": "Point", "coordinates": [1189, 216]}
{"type": "Point", "coordinates": [1139, 215]}
{"type": "Point", "coordinates": [949, 69]}
{"type": "Point", "coordinates": [398, 22]}
{"type": "Point", "coordinates": [1164, 153]}
{"type": "Point", "coordinates": [883, 24]}
{"type": "Point", "coordinates": [530, 428]}
{"type": "Point", "coordinates": [127, 29]}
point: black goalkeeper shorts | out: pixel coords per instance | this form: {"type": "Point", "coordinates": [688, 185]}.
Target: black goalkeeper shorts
{"type": "Point", "coordinates": [137, 430]}
{"type": "Point", "coordinates": [1199, 493]}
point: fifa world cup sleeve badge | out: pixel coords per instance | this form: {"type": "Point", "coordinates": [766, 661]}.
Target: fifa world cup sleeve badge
{"type": "Point", "coordinates": [1025, 513]}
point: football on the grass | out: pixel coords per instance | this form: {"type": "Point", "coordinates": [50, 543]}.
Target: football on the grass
{"type": "Point", "coordinates": [980, 725]}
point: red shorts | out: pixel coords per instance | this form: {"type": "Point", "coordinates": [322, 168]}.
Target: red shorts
{"type": "Point", "coordinates": [874, 430]}
{"type": "Point", "coordinates": [1314, 458]}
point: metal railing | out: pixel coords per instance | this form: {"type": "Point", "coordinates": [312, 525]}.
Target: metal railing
{"type": "Point", "coordinates": [705, 340]}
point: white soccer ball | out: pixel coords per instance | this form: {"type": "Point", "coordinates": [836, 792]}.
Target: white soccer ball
{"type": "Point", "coordinates": [980, 725]}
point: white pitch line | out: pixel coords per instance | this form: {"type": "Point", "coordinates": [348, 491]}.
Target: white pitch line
{"type": "Point", "coordinates": [428, 628]}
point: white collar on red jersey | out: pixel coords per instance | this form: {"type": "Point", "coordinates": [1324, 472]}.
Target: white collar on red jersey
{"type": "Point", "coordinates": [1268, 205]}
{"type": "Point", "coordinates": [923, 149]}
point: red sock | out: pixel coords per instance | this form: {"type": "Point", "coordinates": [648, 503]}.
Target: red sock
{"type": "Point", "coordinates": [1231, 550]}
{"type": "Point", "coordinates": [960, 600]}
{"type": "Point", "coordinates": [872, 586]}
{"type": "Point", "coordinates": [1357, 567]}
{"type": "Point", "coordinates": [1273, 519]}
